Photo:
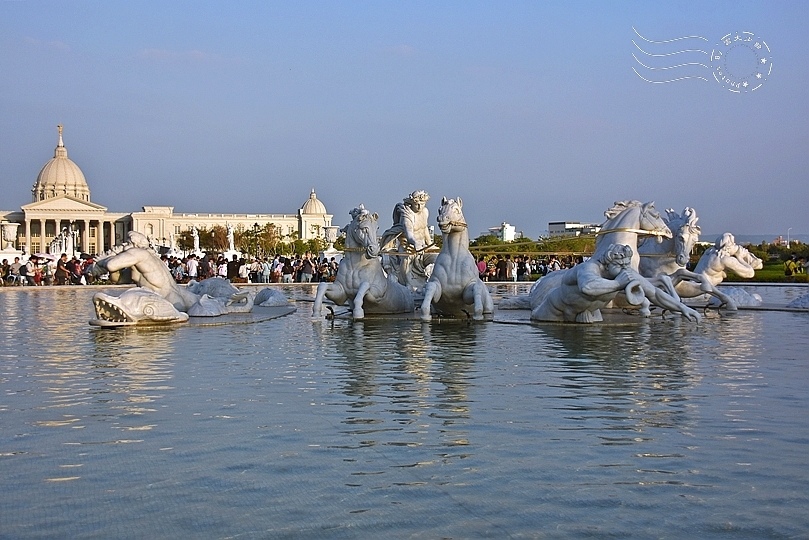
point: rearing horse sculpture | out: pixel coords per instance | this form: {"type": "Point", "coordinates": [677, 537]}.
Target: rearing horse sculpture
{"type": "Point", "coordinates": [454, 285]}
{"type": "Point", "coordinates": [360, 278]}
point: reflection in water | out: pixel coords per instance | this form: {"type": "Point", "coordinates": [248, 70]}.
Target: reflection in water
{"type": "Point", "coordinates": [398, 428]}
{"type": "Point", "coordinates": [406, 383]}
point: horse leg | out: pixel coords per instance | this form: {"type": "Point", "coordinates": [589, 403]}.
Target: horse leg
{"type": "Point", "coordinates": [475, 293]}
{"type": "Point", "coordinates": [359, 313]}
{"type": "Point", "coordinates": [665, 283]}
{"type": "Point", "coordinates": [332, 291]}
{"type": "Point", "coordinates": [317, 307]}
{"type": "Point", "coordinates": [431, 290]}
{"type": "Point", "coordinates": [725, 300]}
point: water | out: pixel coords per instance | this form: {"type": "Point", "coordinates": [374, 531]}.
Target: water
{"type": "Point", "coordinates": [289, 429]}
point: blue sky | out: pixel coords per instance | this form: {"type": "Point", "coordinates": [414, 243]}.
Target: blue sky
{"type": "Point", "coordinates": [529, 111]}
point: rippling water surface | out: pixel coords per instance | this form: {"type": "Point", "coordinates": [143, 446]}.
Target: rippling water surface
{"type": "Point", "coordinates": [290, 428]}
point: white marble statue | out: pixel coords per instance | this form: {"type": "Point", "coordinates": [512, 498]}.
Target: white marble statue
{"type": "Point", "coordinates": [626, 221]}
{"type": "Point", "coordinates": [455, 288]}
{"type": "Point", "coordinates": [590, 286]}
{"type": "Point", "coordinates": [668, 255]}
{"type": "Point", "coordinates": [195, 236]}
{"type": "Point", "coordinates": [231, 243]}
{"type": "Point", "coordinates": [410, 238]}
{"type": "Point", "coordinates": [212, 297]}
{"type": "Point", "coordinates": [712, 268]}
{"type": "Point", "coordinates": [360, 278]}
{"type": "Point", "coordinates": [134, 306]}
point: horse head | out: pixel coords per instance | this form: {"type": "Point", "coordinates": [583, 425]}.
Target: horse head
{"type": "Point", "coordinates": [361, 233]}
{"type": "Point", "coordinates": [450, 217]}
{"type": "Point", "coordinates": [651, 223]}
{"type": "Point", "coordinates": [686, 233]}
{"type": "Point", "coordinates": [635, 217]}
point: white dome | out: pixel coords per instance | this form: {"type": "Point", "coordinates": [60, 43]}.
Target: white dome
{"type": "Point", "coordinates": [313, 205]}
{"type": "Point", "coordinates": [60, 176]}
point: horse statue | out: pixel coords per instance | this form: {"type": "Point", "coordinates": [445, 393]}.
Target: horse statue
{"type": "Point", "coordinates": [712, 268]}
{"type": "Point", "coordinates": [454, 284]}
{"type": "Point", "coordinates": [360, 278]}
{"type": "Point", "coordinates": [626, 221]}
{"type": "Point", "coordinates": [668, 255]}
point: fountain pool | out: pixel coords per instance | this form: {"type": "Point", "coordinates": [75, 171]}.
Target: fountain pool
{"type": "Point", "coordinates": [293, 429]}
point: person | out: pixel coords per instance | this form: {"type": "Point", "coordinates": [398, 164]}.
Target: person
{"type": "Point", "coordinates": [244, 271]}
{"type": "Point", "coordinates": [148, 271]}
{"type": "Point", "coordinates": [307, 268]}
{"type": "Point", "coordinates": [482, 267]}
{"type": "Point", "coordinates": [233, 268]}
{"type": "Point", "coordinates": [502, 268]}
{"type": "Point", "coordinates": [266, 270]}
{"type": "Point", "coordinates": [287, 271]}
{"type": "Point", "coordinates": [192, 267]}
{"type": "Point", "coordinates": [62, 272]}
{"type": "Point", "coordinates": [204, 267]}
{"type": "Point", "coordinates": [5, 272]}
{"type": "Point", "coordinates": [255, 271]}
{"type": "Point", "coordinates": [511, 269]}
{"type": "Point", "coordinates": [791, 266]}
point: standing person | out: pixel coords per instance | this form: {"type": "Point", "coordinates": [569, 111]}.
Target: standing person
{"type": "Point", "coordinates": [287, 271]}
{"type": "Point", "coordinates": [482, 268]}
{"type": "Point", "coordinates": [62, 272]}
{"type": "Point", "coordinates": [307, 268]}
{"type": "Point", "coordinates": [255, 270]}
{"type": "Point", "coordinates": [511, 269]}
{"type": "Point", "coordinates": [521, 269]}
{"type": "Point", "coordinates": [266, 269]}
{"type": "Point", "coordinates": [233, 268]}
{"type": "Point", "coordinates": [501, 268]}
{"type": "Point", "coordinates": [192, 267]}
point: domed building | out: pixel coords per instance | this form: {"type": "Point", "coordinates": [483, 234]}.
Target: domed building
{"type": "Point", "coordinates": [62, 208]}
{"type": "Point", "coordinates": [60, 176]}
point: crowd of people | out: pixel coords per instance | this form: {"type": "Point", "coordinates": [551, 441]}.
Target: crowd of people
{"type": "Point", "coordinates": [306, 268]}
{"type": "Point", "coordinates": [522, 267]}
{"type": "Point", "coordinates": [48, 271]}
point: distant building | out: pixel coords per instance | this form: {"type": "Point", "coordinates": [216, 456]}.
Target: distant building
{"type": "Point", "coordinates": [571, 228]}
{"type": "Point", "coordinates": [504, 231]}
{"type": "Point", "coordinates": [61, 202]}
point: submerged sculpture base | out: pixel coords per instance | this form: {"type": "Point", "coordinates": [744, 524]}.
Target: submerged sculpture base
{"type": "Point", "coordinates": [344, 313]}
{"type": "Point", "coordinates": [257, 315]}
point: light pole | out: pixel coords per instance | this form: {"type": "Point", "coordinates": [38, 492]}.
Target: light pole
{"type": "Point", "coordinates": [788, 243]}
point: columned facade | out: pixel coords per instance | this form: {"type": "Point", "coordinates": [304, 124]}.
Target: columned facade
{"type": "Point", "coordinates": [61, 205]}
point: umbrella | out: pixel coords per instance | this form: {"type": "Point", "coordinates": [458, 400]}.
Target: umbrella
{"type": "Point", "coordinates": [48, 256]}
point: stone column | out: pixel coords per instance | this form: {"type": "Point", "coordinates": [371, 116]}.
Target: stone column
{"type": "Point", "coordinates": [85, 237]}
{"type": "Point", "coordinates": [43, 247]}
{"type": "Point", "coordinates": [27, 236]}
{"type": "Point", "coordinates": [112, 233]}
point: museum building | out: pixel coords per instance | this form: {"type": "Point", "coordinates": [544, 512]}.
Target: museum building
{"type": "Point", "coordinates": [61, 204]}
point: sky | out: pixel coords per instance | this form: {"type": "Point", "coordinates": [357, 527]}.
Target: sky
{"type": "Point", "coordinates": [531, 112]}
